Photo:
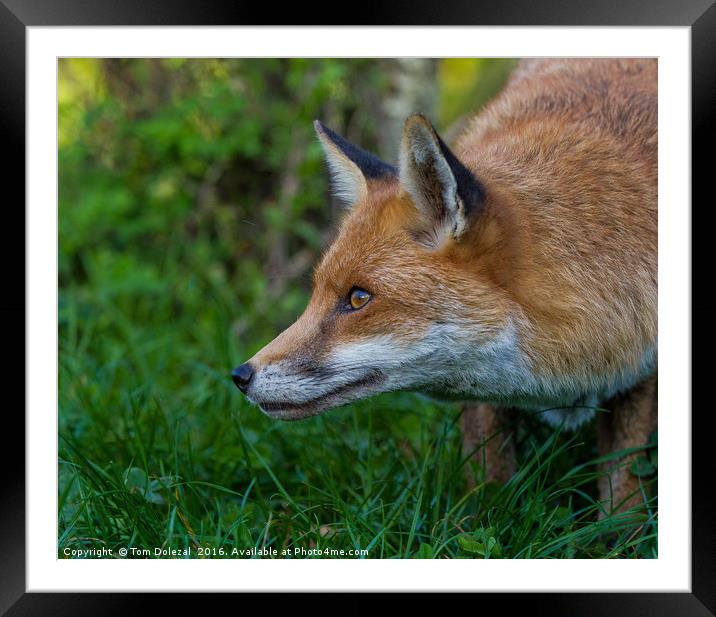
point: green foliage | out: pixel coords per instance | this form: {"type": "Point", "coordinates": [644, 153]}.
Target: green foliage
{"type": "Point", "coordinates": [469, 83]}
{"type": "Point", "coordinates": [193, 203]}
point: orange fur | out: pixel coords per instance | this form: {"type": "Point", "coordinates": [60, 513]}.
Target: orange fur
{"type": "Point", "coordinates": [551, 278]}
{"type": "Point", "coordinates": [569, 155]}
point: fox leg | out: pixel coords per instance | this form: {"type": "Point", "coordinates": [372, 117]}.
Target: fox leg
{"type": "Point", "coordinates": [631, 420]}
{"type": "Point", "coordinates": [487, 434]}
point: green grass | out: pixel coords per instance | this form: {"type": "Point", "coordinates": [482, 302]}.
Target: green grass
{"type": "Point", "coordinates": [159, 450]}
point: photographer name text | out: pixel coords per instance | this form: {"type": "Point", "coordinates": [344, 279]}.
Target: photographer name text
{"type": "Point", "coordinates": [167, 552]}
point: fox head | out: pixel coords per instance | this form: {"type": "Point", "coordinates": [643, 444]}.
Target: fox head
{"type": "Point", "coordinates": [406, 297]}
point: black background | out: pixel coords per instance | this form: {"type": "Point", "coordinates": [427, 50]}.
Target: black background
{"type": "Point", "coordinates": [16, 15]}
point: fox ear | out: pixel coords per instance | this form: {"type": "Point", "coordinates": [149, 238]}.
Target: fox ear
{"type": "Point", "coordinates": [351, 167]}
{"type": "Point", "coordinates": [443, 190]}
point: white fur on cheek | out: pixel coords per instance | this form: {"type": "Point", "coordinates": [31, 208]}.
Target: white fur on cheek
{"type": "Point", "coordinates": [449, 357]}
{"type": "Point", "coordinates": [282, 382]}
{"type": "Point", "coordinates": [459, 360]}
{"type": "Point", "coordinates": [454, 358]}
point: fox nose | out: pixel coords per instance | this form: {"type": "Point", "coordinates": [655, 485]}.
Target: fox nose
{"type": "Point", "coordinates": [242, 376]}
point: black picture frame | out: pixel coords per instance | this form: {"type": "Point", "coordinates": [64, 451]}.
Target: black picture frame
{"type": "Point", "coordinates": [17, 15]}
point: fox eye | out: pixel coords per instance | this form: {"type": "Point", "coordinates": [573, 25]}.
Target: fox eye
{"type": "Point", "coordinates": [358, 298]}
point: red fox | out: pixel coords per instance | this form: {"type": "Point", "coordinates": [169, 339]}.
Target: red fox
{"type": "Point", "coordinates": [517, 269]}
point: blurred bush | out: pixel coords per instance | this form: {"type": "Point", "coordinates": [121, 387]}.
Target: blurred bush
{"type": "Point", "coordinates": [212, 164]}
{"type": "Point", "coordinates": [193, 201]}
